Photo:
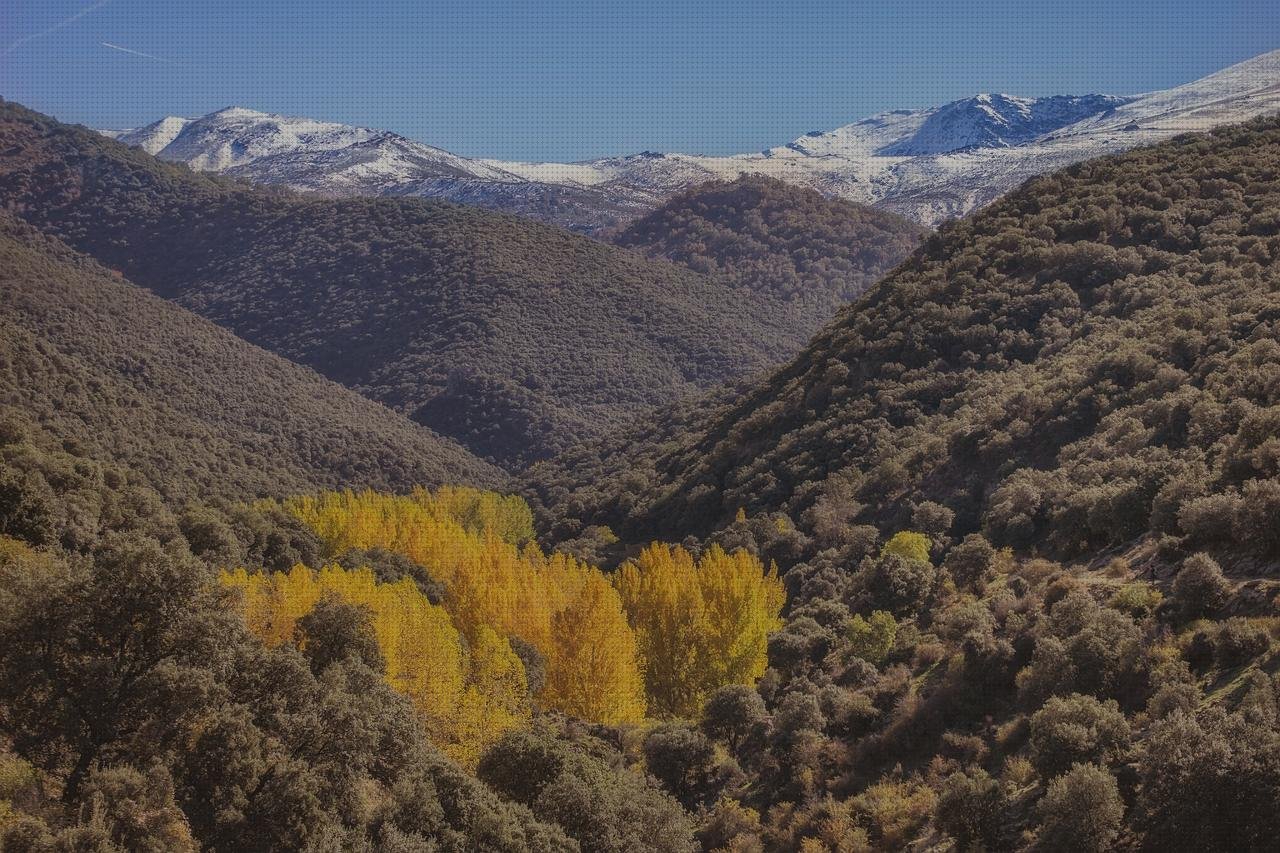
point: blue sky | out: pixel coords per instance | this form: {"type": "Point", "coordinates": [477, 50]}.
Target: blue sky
{"type": "Point", "coordinates": [572, 80]}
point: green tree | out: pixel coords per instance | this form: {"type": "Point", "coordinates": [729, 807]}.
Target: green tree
{"type": "Point", "coordinates": [871, 639]}
{"type": "Point", "coordinates": [1081, 811]}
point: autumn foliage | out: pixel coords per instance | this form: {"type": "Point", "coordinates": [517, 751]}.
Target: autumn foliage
{"type": "Point", "coordinates": [700, 624]}
{"type": "Point", "coordinates": [658, 638]}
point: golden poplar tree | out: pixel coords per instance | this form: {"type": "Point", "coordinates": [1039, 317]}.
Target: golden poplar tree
{"type": "Point", "coordinates": [741, 603]}
{"type": "Point", "coordinates": [699, 625]}
{"type": "Point", "coordinates": [592, 668]}
{"type": "Point", "coordinates": [659, 590]}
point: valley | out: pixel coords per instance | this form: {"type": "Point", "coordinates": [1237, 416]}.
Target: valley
{"type": "Point", "coordinates": [914, 486]}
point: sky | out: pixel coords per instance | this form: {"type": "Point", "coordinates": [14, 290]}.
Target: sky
{"type": "Point", "coordinates": [574, 79]}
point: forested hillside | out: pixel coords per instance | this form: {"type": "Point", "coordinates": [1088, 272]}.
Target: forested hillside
{"type": "Point", "coordinates": [182, 405]}
{"type": "Point", "coordinates": [1026, 497]}
{"type": "Point", "coordinates": [1087, 361]}
{"type": "Point", "coordinates": [515, 338]}
{"type": "Point", "coordinates": [815, 252]}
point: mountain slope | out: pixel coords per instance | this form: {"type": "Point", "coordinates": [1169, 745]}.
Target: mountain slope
{"type": "Point", "coordinates": [516, 338]}
{"type": "Point", "coordinates": [928, 165]}
{"type": "Point", "coordinates": [774, 238]}
{"type": "Point", "coordinates": [1092, 359]}
{"type": "Point", "coordinates": [196, 411]}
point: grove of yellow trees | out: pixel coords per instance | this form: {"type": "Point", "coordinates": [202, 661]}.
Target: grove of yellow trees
{"type": "Point", "coordinates": [699, 625]}
{"type": "Point", "coordinates": [656, 638]}
{"type": "Point", "coordinates": [467, 695]}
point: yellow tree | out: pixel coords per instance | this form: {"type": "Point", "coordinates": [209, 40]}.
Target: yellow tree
{"type": "Point", "coordinates": [742, 604]}
{"type": "Point", "coordinates": [495, 699]}
{"type": "Point", "coordinates": [592, 670]}
{"type": "Point", "coordinates": [699, 626]}
{"type": "Point", "coordinates": [467, 696]}
{"type": "Point", "coordinates": [659, 590]}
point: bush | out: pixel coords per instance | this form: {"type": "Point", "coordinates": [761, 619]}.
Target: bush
{"type": "Point", "coordinates": [732, 714]}
{"type": "Point", "coordinates": [1173, 697]}
{"type": "Point", "coordinates": [683, 760]}
{"type": "Point", "coordinates": [1076, 729]}
{"type": "Point", "coordinates": [1240, 641]}
{"type": "Point", "coordinates": [1257, 519]}
{"type": "Point", "coordinates": [898, 584]}
{"type": "Point", "coordinates": [1209, 781]}
{"type": "Point", "coordinates": [908, 544]}
{"type": "Point", "coordinates": [1209, 519]}
{"type": "Point", "coordinates": [971, 809]}
{"type": "Point", "coordinates": [336, 630]}
{"type": "Point", "coordinates": [1200, 587]}
{"type": "Point", "coordinates": [1138, 599]}
{"type": "Point", "coordinates": [970, 562]}
{"type": "Point", "coordinates": [871, 639]}
{"type": "Point", "coordinates": [934, 520]}
{"type": "Point", "coordinates": [1080, 812]}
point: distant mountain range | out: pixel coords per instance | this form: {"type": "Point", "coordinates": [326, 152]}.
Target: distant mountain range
{"type": "Point", "coordinates": [928, 165]}
{"type": "Point", "coordinates": [515, 338]}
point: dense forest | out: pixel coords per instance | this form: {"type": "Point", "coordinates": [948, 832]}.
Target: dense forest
{"type": "Point", "coordinates": [517, 339]}
{"type": "Point", "coordinates": [815, 252]}
{"type": "Point", "coordinates": [991, 564]}
{"type": "Point", "coordinates": [182, 405]}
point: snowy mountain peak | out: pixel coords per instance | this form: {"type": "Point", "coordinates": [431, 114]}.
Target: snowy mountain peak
{"type": "Point", "coordinates": [156, 136]}
{"type": "Point", "coordinates": [234, 136]}
{"type": "Point", "coordinates": [234, 112]}
{"type": "Point", "coordinates": [997, 121]}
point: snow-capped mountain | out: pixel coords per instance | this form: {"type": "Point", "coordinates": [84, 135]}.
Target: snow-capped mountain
{"type": "Point", "coordinates": [997, 121]}
{"type": "Point", "coordinates": [156, 136]}
{"type": "Point", "coordinates": [929, 164]}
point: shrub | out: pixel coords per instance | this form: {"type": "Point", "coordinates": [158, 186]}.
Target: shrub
{"type": "Point", "coordinates": [933, 519]}
{"type": "Point", "coordinates": [1209, 782]}
{"type": "Point", "coordinates": [1080, 812]}
{"type": "Point", "coordinates": [895, 812]}
{"type": "Point", "coordinates": [1076, 729]}
{"type": "Point", "coordinates": [898, 584]}
{"type": "Point", "coordinates": [906, 543]}
{"type": "Point", "coordinates": [1200, 587]}
{"type": "Point", "coordinates": [1239, 641]}
{"type": "Point", "coordinates": [683, 760]}
{"type": "Point", "coordinates": [1210, 518]}
{"type": "Point", "coordinates": [1257, 519]}
{"type": "Point", "coordinates": [1138, 599]}
{"type": "Point", "coordinates": [871, 639]}
{"type": "Point", "coordinates": [970, 562]}
{"type": "Point", "coordinates": [336, 630]}
{"type": "Point", "coordinates": [1173, 697]}
{"type": "Point", "coordinates": [971, 809]}
{"type": "Point", "coordinates": [732, 713]}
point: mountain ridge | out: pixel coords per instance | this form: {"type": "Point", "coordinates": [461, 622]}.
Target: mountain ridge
{"type": "Point", "coordinates": [1077, 366]}
{"type": "Point", "coordinates": [928, 165]}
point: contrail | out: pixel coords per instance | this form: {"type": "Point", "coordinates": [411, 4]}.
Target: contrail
{"type": "Point", "coordinates": [134, 52]}
{"type": "Point", "coordinates": [64, 22]}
